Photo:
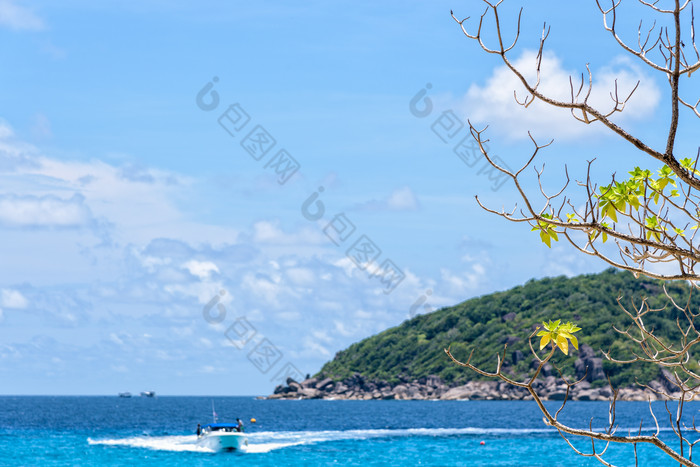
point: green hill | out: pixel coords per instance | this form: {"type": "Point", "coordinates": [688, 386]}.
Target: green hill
{"type": "Point", "coordinates": [414, 349]}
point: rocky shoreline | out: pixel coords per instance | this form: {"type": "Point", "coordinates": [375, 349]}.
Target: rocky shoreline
{"type": "Point", "coordinates": [547, 386]}
{"type": "Point", "coordinates": [432, 388]}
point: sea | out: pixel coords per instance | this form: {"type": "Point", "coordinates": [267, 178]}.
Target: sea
{"type": "Point", "coordinates": [160, 431]}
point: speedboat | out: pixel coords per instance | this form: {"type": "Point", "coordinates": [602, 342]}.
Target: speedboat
{"type": "Point", "coordinates": [222, 437]}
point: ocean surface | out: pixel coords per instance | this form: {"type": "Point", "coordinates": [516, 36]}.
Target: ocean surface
{"type": "Point", "coordinates": [95, 431]}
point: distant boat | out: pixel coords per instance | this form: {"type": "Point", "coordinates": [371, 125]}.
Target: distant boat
{"type": "Point", "coordinates": [148, 394]}
{"type": "Point", "coordinates": [124, 394]}
{"type": "Point", "coordinates": [222, 437]}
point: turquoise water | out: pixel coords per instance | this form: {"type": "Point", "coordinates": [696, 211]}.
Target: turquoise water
{"type": "Point", "coordinates": [92, 431]}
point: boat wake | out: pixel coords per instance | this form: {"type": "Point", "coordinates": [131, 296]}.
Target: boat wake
{"type": "Point", "coordinates": [267, 441]}
{"type": "Point", "coordinates": [158, 443]}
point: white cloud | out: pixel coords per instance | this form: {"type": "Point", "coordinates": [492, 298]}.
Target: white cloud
{"type": "Point", "coordinates": [41, 127]}
{"type": "Point", "coordinates": [44, 211]}
{"type": "Point", "coordinates": [202, 291]}
{"type": "Point", "coordinates": [152, 262]}
{"type": "Point", "coordinates": [494, 103]}
{"type": "Point", "coordinates": [133, 204]}
{"type": "Point", "coordinates": [14, 153]}
{"type": "Point", "coordinates": [18, 17]}
{"type": "Point", "coordinates": [124, 200]}
{"type": "Point", "coordinates": [402, 199]}
{"type": "Point", "coordinates": [13, 299]}
{"type": "Point", "coordinates": [464, 284]}
{"type": "Point", "coordinates": [114, 338]}
{"type": "Point", "coordinates": [269, 232]}
{"type": "Point", "coordinates": [264, 287]}
{"type": "Point", "coordinates": [313, 347]}
{"type": "Point", "coordinates": [322, 336]}
{"type": "Point", "coordinates": [301, 276]}
{"type": "Point", "coordinates": [201, 269]}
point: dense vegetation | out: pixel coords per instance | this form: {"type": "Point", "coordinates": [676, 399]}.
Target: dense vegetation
{"type": "Point", "coordinates": [415, 348]}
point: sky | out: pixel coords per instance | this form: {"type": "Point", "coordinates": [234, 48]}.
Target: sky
{"type": "Point", "coordinates": [207, 198]}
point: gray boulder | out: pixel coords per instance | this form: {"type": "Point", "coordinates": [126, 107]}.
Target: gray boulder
{"type": "Point", "coordinates": [509, 316]}
{"type": "Point", "coordinates": [309, 383]}
{"type": "Point", "coordinates": [589, 365]}
{"type": "Point", "coordinates": [325, 384]}
{"type": "Point", "coordinates": [433, 381]}
{"type": "Point", "coordinates": [339, 388]}
{"type": "Point", "coordinates": [310, 393]}
{"type": "Point", "coordinates": [456, 393]}
{"type": "Point", "coordinates": [557, 395]}
{"type": "Point", "coordinates": [295, 387]}
{"type": "Point", "coordinates": [590, 395]}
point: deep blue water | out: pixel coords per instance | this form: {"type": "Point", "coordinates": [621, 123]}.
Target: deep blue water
{"type": "Point", "coordinates": [92, 431]}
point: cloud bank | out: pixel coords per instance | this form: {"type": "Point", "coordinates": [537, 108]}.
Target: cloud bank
{"type": "Point", "coordinates": [494, 103]}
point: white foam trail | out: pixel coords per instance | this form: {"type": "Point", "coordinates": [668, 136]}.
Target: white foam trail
{"type": "Point", "coordinates": [266, 441]}
{"type": "Point", "coordinates": [332, 435]}
{"type": "Point", "coordinates": [158, 443]}
{"type": "Point", "coordinates": [262, 448]}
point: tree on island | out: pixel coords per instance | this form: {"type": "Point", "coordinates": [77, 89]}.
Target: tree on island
{"type": "Point", "coordinates": [645, 223]}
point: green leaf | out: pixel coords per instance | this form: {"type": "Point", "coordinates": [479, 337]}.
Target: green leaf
{"type": "Point", "coordinates": [545, 238]}
{"type": "Point", "coordinates": [545, 340]}
{"type": "Point", "coordinates": [563, 344]}
{"type": "Point", "coordinates": [611, 212]}
{"type": "Point", "coordinates": [574, 342]}
{"type": "Point", "coordinates": [605, 234]}
{"type": "Point", "coordinates": [654, 228]}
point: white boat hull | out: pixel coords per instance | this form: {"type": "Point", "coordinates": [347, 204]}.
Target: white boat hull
{"type": "Point", "coordinates": [219, 442]}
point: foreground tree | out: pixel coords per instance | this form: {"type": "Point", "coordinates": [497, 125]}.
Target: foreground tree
{"type": "Point", "coordinates": [645, 223]}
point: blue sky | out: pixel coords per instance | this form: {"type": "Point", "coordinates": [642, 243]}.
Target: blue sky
{"type": "Point", "coordinates": [126, 209]}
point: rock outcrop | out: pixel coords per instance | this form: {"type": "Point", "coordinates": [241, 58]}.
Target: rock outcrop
{"type": "Point", "coordinates": [547, 387]}
{"type": "Point", "coordinates": [588, 368]}
{"type": "Point", "coordinates": [589, 365]}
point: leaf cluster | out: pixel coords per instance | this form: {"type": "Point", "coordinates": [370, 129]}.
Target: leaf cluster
{"type": "Point", "coordinates": [559, 335]}
{"type": "Point", "coordinates": [620, 202]}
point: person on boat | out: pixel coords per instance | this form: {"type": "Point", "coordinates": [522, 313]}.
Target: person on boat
{"type": "Point", "coordinates": [239, 428]}
{"type": "Point", "coordinates": [199, 429]}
